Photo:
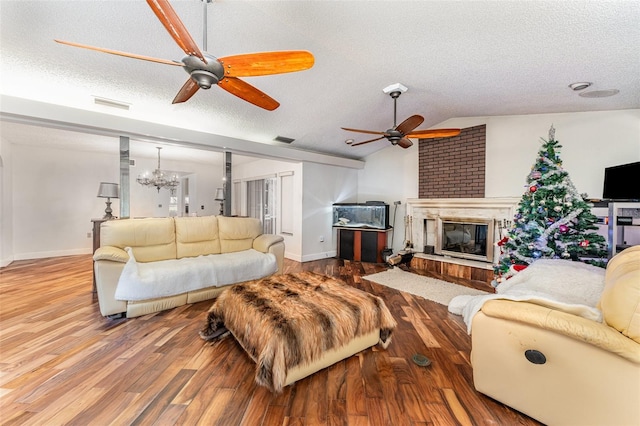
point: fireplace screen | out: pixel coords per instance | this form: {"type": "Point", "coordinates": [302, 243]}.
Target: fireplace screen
{"type": "Point", "coordinates": [465, 238]}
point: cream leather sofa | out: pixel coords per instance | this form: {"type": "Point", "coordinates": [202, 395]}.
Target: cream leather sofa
{"type": "Point", "coordinates": [168, 243]}
{"type": "Point", "coordinates": [581, 372]}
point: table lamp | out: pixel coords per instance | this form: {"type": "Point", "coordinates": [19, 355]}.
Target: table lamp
{"type": "Point", "coordinates": [108, 190]}
{"type": "Point", "coordinates": [220, 197]}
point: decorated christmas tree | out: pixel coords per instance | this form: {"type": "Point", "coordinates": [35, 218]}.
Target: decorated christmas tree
{"type": "Point", "coordinates": [553, 221]}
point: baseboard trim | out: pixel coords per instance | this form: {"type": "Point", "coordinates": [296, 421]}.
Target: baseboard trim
{"type": "Point", "coordinates": [57, 253]}
{"type": "Point", "coordinates": [318, 256]}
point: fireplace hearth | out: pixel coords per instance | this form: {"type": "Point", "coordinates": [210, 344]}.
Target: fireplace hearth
{"type": "Point", "coordinates": [458, 228]}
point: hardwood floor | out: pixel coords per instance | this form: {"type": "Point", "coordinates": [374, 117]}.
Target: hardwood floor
{"type": "Point", "coordinates": [61, 362]}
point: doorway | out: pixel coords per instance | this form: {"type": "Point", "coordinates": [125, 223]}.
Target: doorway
{"type": "Point", "coordinates": [261, 202]}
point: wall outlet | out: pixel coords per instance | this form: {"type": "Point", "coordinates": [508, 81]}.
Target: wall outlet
{"type": "Point", "coordinates": [88, 234]}
{"type": "Point", "coordinates": [321, 239]}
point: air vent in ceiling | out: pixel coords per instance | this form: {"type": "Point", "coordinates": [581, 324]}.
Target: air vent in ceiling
{"type": "Point", "coordinates": [111, 103]}
{"type": "Point", "coordinates": [283, 139]}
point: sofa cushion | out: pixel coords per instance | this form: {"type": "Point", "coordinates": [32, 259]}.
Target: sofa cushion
{"type": "Point", "coordinates": [196, 236]}
{"type": "Point", "coordinates": [620, 301]}
{"type": "Point", "coordinates": [237, 233]}
{"type": "Point", "coordinates": [151, 239]}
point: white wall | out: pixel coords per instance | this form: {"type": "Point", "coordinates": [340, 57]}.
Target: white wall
{"type": "Point", "coordinates": [6, 204]}
{"type": "Point", "coordinates": [590, 142]}
{"type": "Point", "coordinates": [323, 186]}
{"type": "Point", "coordinates": [54, 197]}
{"type": "Point", "coordinates": [391, 175]}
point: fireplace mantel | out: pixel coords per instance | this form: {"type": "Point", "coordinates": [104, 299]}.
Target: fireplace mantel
{"type": "Point", "coordinates": [465, 203]}
{"type": "Point", "coordinates": [424, 212]}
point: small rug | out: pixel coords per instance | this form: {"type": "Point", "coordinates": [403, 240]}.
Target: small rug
{"type": "Point", "coordinates": [430, 288]}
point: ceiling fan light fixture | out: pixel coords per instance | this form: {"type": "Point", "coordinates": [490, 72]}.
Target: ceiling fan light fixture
{"type": "Point", "coordinates": [579, 86]}
{"type": "Point", "coordinates": [205, 79]}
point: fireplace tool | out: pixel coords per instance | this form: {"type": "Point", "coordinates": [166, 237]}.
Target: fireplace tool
{"type": "Point", "coordinates": [408, 232]}
{"type": "Point", "coordinates": [405, 255]}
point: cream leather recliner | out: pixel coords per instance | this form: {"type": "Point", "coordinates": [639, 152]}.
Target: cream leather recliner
{"type": "Point", "coordinates": [562, 369]}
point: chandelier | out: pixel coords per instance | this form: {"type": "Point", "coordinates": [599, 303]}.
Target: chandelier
{"type": "Point", "coordinates": [158, 178]}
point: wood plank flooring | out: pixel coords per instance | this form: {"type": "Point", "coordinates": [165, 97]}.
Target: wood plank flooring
{"type": "Point", "coordinates": [61, 362]}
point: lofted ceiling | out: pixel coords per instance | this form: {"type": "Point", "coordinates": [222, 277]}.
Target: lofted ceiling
{"type": "Point", "coordinates": [458, 59]}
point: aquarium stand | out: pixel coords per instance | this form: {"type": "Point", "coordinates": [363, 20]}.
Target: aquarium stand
{"type": "Point", "coordinates": [362, 244]}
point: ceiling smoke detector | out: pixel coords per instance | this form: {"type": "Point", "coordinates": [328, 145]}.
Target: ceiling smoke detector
{"type": "Point", "coordinates": [579, 86]}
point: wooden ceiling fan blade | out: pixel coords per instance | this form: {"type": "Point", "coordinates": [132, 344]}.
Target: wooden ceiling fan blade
{"type": "Point", "coordinates": [119, 53]}
{"type": "Point", "coordinates": [249, 93]}
{"type": "Point", "coordinates": [169, 18]}
{"type": "Point", "coordinates": [370, 132]}
{"type": "Point", "coordinates": [404, 143]}
{"type": "Point", "coordinates": [434, 133]}
{"type": "Point", "coordinates": [186, 92]}
{"type": "Point", "coordinates": [409, 124]}
{"type": "Point", "coordinates": [371, 140]}
{"type": "Point", "coordinates": [267, 63]}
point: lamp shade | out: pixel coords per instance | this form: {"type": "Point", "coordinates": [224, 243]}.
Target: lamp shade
{"type": "Point", "coordinates": [108, 190]}
{"type": "Point", "coordinates": [219, 195]}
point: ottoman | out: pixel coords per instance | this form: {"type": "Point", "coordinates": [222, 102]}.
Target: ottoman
{"type": "Point", "coordinates": [293, 325]}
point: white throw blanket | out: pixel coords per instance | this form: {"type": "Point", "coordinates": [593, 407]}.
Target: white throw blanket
{"type": "Point", "coordinates": [142, 281]}
{"type": "Point", "coordinates": [569, 286]}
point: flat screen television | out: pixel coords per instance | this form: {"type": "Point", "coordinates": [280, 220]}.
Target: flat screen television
{"type": "Point", "coordinates": [622, 182]}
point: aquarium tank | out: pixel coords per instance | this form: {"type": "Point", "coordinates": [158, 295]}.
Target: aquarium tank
{"type": "Point", "coordinates": [372, 214]}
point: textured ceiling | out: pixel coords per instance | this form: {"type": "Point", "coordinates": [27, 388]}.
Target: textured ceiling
{"type": "Point", "coordinates": [458, 59]}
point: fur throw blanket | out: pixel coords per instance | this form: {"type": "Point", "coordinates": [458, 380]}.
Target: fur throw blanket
{"type": "Point", "coordinates": [287, 320]}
